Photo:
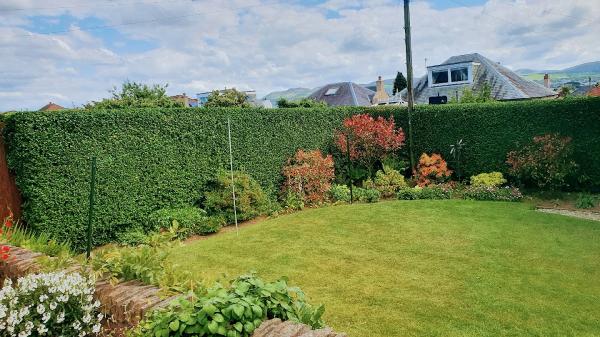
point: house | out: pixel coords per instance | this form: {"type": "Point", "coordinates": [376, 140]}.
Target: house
{"type": "Point", "coordinates": [344, 94]}
{"type": "Point", "coordinates": [594, 92]}
{"type": "Point", "coordinates": [51, 107]}
{"type": "Point", "coordinates": [187, 101]}
{"type": "Point", "coordinates": [250, 97]}
{"type": "Point", "coordinates": [448, 80]}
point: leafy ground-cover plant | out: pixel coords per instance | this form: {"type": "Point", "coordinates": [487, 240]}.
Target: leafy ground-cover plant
{"type": "Point", "coordinates": [53, 304]}
{"type": "Point", "coordinates": [488, 179]}
{"type": "Point", "coordinates": [339, 193]}
{"type": "Point", "coordinates": [366, 194]}
{"type": "Point", "coordinates": [308, 175]}
{"type": "Point", "coordinates": [387, 181]}
{"type": "Point", "coordinates": [585, 201]}
{"type": "Point", "coordinates": [235, 310]}
{"type": "Point", "coordinates": [492, 193]}
{"type": "Point", "coordinates": [251, 201]}
{"type": "Point", "coordinates": [547, 162]}
{"type": "Point", "coordinates": [190, 220]}
{"type": "Point", "coordinates": [370, 139]}
{"type": "Point", "coordinates": [432, 170]}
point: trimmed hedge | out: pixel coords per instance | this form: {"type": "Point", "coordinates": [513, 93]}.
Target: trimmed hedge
{"type": "Point", "coordinates": [150, 159]}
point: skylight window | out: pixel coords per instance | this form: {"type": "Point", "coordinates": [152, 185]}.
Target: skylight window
{"type": "Point", "coordinates": [439, 77]}
{"type": "Point", "coordinates": [332, 91]}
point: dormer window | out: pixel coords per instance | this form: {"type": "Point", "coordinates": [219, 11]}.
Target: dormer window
{"type": "Point", "coordinates": [450, 74]}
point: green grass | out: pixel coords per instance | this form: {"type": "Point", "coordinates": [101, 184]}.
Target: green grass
{"type": "Point", "coordinates": [425, 268]}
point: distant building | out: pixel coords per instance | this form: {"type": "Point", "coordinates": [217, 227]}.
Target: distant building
{"type": "Point", "coordinates": [448, 80]}
{"type": "Point", "coordinates": [250, 97]}
{"type": "Point", "coordinates": [186, 100]}
{"type": "Point", "coordinates": [51, 107]}
{"type": "Point", "coordinates": [344, 94]}
{"type": "Point", "coordinates": [594, 92]}
{"type": "Point", "coordinates": [381, 96]}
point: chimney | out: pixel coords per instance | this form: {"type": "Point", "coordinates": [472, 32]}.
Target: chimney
{"type": "Point", "coordinates": [380, 95]}
{"type": "Point", "coordinates": [547, 81]}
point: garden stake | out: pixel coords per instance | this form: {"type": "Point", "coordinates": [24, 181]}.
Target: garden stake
{"type": "Point", "coordinates": [91, 209]}
{"type": "Point", "coordinates": [237, 231]}
{"type": "Point", "coordinates": [349, 163]}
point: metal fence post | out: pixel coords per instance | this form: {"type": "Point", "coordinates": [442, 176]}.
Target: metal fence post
{"type": "Point", "coordinates": [91, 208]}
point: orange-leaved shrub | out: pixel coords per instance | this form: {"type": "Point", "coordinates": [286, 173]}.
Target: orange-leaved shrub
{"type": "Point", "coordinates": [432, 170]}
{"type": "Point", "coordinates": [308, 175]}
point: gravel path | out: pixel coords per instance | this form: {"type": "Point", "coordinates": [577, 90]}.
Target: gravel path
{"type": "Point", "coordinates": [578, 214]}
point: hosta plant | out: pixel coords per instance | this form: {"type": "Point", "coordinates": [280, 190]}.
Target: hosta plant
{"type": "Point", "coordinates": [53, 304]}
{"type": "Point", "coordinates": [235, 310]}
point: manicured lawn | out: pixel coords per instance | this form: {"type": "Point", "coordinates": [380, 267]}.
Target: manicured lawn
{"type": "Point", "coordinates": [425, 268]}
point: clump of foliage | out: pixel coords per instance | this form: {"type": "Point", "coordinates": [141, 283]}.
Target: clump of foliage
{"type": "Point", "coordinates": [190, 220]}
{"type": "Point", "coordinates": [231, 310]}
{"type": "Point", "coordinates": [227, 98]}
{"type": "Point", "coordinates": [251, 201]}
{"type": "Point", "coordinates": [399, 83]}
{"type": "Point", "coordinates": [469, 95]}
{"type": "Point", "coordinates": [366, 194]}
{"type": "Point", "coordinates": [339, 193]}
{"type": "Point", "coordinates": [53, 304]}
{"type": "Point", "coordinates": [585, 201]}
{"type": "Point", "coordinates": [492, 193]}
{"type": "Point", "coordinates": [387, 181]}
{"type": "Point", "coordinates": [488, 179]}
{"type": "Point", "coordinates": [371, 140]}
{"type": "Point", "coordinates": [436, 192]}
{"type": "Point", "coordinates": [432, 170]}
{"type": "Point", "coordinates": [308, 175]}
{"type": "Point", "coordinates": [546, 162]}
{"type": "Point", "coordinates": [5, 235]}
{"type": "Point", "coordinates": [136, 95]}
{"type": "Point", "coordinates": [301, 103]}
{"type": "Point", "coordinates": [132, 237]}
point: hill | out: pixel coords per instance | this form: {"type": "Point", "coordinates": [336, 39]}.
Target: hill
{"type": "Point", "coordinates": [290, 94]}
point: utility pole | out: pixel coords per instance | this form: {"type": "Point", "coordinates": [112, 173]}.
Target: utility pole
{"type": "Point", "coordinates": [409, 80]}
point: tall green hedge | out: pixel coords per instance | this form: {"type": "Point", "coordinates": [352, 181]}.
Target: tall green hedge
{"type": "Point", "coordinates": [151, 158]}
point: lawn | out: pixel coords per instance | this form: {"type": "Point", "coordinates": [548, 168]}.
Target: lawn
{"type": "Point", "coordinates": [424, 268]}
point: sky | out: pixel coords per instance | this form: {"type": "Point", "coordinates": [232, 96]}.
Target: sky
{"type": "Point", "coordinates": [73, 52]}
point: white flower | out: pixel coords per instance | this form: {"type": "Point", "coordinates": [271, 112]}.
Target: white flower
{"type": "Point", "coordinates": [46, 316]}
{"type": "Point", "coordinates": [42, 329]}
{"type": "Point", "coordinates": [41, 308]}
{"type": "Point", "coordinates": [96, 328]}
{"type": "Point", "coordinates": [61, 317]}
{"type": "Point", "coordinates": [53, 305]}
{"type": "Point", "coordinates": [43, 297]}
{"type": "Point", "coordinates": [76, 325]}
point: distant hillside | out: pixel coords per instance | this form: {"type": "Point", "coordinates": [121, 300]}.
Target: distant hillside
{"type": "Point", "coordinates": [590, 67]}
{"type": "Point", "coordinates": [290, 94]}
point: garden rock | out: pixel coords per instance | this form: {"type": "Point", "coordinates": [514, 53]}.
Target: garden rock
{"type": "Point", "coordinates": [277, 328]}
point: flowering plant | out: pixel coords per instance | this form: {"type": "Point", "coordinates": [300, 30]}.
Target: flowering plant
{"type": "Point", "coordinates": [5, 235]}
{"type": "Point", "coordinates": [53, 304]}
{"type": "Point", "coordinates": [432, 170]}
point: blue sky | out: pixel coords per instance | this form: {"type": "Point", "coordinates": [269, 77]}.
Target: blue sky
{"type": "Point", "coordinates": [72, 52]}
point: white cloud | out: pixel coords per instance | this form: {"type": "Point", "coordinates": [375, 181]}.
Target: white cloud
{"type": "Point", "coordinates": [269, 44]}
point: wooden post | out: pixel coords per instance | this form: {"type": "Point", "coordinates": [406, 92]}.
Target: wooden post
{"type": "Point", "coordinates": [409, 80]}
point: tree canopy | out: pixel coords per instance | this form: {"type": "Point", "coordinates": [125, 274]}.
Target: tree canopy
{"type": "Point", "coordinates": [475, 96]}
{"type": "Point", "coordinates": [302, 103]}
{"type": "Point", "coordinates": [227, 98]}
{"type": "Point", "coordinates": [399, 83]}
{"type": "Point", "coordinates": [136, 95]}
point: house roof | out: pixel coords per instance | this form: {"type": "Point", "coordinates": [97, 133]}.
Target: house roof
{"type": "Point", "coordinates": [51, 107]}
{"type": "Point", "coordinates": [595, 92]}
{"type": "Point", "coordinates": [347, 94]}
{"type": "Point", "coordinates": [504, 83]}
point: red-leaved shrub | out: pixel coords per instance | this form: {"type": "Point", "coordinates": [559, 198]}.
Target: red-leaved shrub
{"type": "Point", "coordinates": [546, 162]}
{"type": "Point", "coordinates": [371, 139]}
{"type": "Point", "coordinates": [4, 235]}
{"type": "Point", "coordinates": [308, 175]}
{"type": "Point", "coordinates": [432, 170]}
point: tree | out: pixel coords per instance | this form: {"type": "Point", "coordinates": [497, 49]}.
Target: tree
{"type": "Point", "coordinates": [565, 91]}
{"type": "Point", "coordinates": [136, 95]}
{"type": "Point", "coordinates": [227, 98]}
{"type": "Point", "coordinates": [399, 83]}
{"type": "Point", "coordinates": [371, 140]}
{"type": "Point", "coordinates": [302, 103]}
{"type": "Point", "coordinates": [475, 96]}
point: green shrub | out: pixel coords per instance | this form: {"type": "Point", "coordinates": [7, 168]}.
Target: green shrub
{"type": "Point", "coordinates": [388, 182]}
{"type": "Point", "coordinates": [150, 159]}
{"type": "Point", "coordinates": [190, 221]}
{"type": "Point", "coordinates": [234, 310]}
{"type": "Point", "coordinates": [292, 201]}
{"type": "Point", "coordinates": [366, 194]}
{"type": "Point", "coordinates": [585, 201]}
{"type": "Point", "coordinates": [251, 201]}
{"type": "Point", "coordinates": [435, 192]}
{"type": "Point", "coordinates": [492, 193]}
{"type": "Point", "coordinates": [409, 193]}
{"type": "Point", "coordinates": [132, 237]}
{"type": "Point", "coordinates": [339, 193]}
{"type": "Point", "coordinates": [488, 179]}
